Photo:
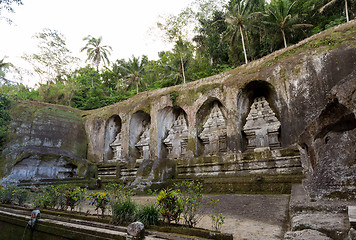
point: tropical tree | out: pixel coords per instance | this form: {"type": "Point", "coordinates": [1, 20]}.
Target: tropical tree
{"type": "Point", "coordinates": [280, 17]}
{"type": "Point", "coordinates": [54, 61]}
{"type": "Point", "coordinates": [237, 19]}
{"type": "Point", "coordinates": [3, 67]}
{"type": "Point", "coordinates": [133, 70]}
{"type": "Point", "coordinates": [7, 5]}
{"type": "Point", "coordinates": [332, 2]}
{"type": "Point", "coordinates": [96, 52]}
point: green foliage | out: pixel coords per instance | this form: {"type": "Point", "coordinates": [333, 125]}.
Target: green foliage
{"type": "Point", "coordinates": [96, 52]}
{"type": "Point", "coordinates": [118, 192]}
{"type": "Point", "coordinates": [4, 119]}
{"type": "Point", "coordinates": [191, 195]}
{"type": "Point", "coordinates": [148, 215]}
{"type": "Point", "coordinates": [123, 211]}
{"type": "Point", "coordinates": [100, 200]}
{"type": "Point", "coordinates": [170, 205]}
{"type": "Point", "coordinates": [218, 47]}
{"type": "Point", "coordinates": [7, 195]}
{"type": "Point", "coordinates": [54, 61]}
{"type": "Point", "coordinates": [217, 219]}
{"type": "Point", "coordinates": [74, 196]}
{"type": "Point", "coordinates": [21, 195]}
{"type": "Point", "coordinates": [7, 6]}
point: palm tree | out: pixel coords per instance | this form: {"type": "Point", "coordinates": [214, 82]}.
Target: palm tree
{"type": "Point", "coordinates": [280, 17]}
{"type": "Point", "coordinates": [95, 52]}
{"type": "Point", "coordinates": [182, 48]}
{"type": "Point", "coordinates": [133, 70]}
{"type": "Point", "coordinates": [237, 19]}
{"type": "Point", "coordinates": [3, 66]}
{"type": "Point", "coordinates": [331, 2]}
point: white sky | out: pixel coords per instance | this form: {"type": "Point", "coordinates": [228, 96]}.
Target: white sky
{"type": "Point", "coordinates": [123, 24]}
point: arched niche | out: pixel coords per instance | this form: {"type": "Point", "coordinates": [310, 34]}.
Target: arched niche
{"type": "Point", "coordinates": [140, 125]}
{"type": "Point", "coordinates": [172, 132]}
{"type": "Point", "coordinates": [256, 98]}
{"type": "Point", "coordinates": [211, 128]}
{"type": "Point", "coordinates": [112, 131]}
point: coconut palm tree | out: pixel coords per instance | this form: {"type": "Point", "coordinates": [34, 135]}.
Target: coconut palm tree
{"type": "Point", "coordinates": [95, 52]}
{"type": "Point", "coordinates": [238, 18]}
{"type": "Point", "coordinates": [331, 2]}
{"type": "Point", "coordinates": [3, 67]}
{"type": "Point", "coordinates": [281, 17]}
{"type": "Point", "coordinates": [133, 69]}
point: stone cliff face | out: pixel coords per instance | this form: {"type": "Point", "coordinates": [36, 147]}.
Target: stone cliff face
{"type": "Point", "coordinates": [302, 96]}
{"type": "Point", "coordinates": [47, 142]}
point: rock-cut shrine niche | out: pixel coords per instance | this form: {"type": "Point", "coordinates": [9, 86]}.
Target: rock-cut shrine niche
{"type": "Point", "coordinates": [214, 134]}
{"type": "Point", "coordinates": [112, 144]}
{"type": "Point", "coordinates": [143, 145]}
{"type": "Point", "coordinates": [262, 126]}
{"type": "Point", "coordinates": [117, 148]}
{"type": "Point", "coordinates": [140, 136]}
{"type": "Point", "coordinates": [177, 138]}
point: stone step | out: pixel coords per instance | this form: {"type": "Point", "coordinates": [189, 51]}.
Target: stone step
{"type": "Point", "coordinates": [334, 225]}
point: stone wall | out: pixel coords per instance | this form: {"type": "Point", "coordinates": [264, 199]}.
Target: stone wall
{"type": "Point", "coordinates": [47, 142]}
{"type": "Point", "coordinates": [263, 106]}
{"type": "Point", "coordinates": [213, 113]}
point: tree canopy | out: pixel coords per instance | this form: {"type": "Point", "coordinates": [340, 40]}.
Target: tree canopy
{"type": "Point", "coordinates": [208, 37]}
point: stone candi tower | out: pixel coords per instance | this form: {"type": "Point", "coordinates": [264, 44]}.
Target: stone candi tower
{"type": "Point", "coordinates": [262, 126]}
{"type": "Point", "coordinates": [214, 132]}
{"type": "Point", "coordinates": [116, 146]}
{"type": "Point", "coordinates": [143, 144]}
{"type": "Point", "coordinates": [177, 138]}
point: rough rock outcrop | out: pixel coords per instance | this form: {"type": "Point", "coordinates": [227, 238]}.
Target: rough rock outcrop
{"type": "Point", "coordinates": [47, 142]}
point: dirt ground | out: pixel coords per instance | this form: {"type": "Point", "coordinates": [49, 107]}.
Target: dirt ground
{"type": "Point", "coordinates": [247, 217]}
{"type": "Point", "coordinates": [251, 217]}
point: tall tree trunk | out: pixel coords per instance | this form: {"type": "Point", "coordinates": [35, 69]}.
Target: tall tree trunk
{"type": "Point", "coordinates": [347, 11]}
{"type": "Point", "coordinates": [284, 38]}
{"type": "Point", "coordinates": [243, 44]}
{"type": "Point", "coordinates": [181, 61]}
{"type": "Point", "coordinates": [137, 87]}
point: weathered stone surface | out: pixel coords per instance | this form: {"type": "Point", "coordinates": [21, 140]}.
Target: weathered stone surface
{"type": "Point", "coordinates": [214, 132]}
{"type": "Point", "coordinates": [329, 146]}
{"type": "Point", "coordinates": [307, 234]}
{"type": "Point", "coordinates": [177, 138]}
{"type": "Point", "coordinates": [295, 82]}
{"type": "Point", "coordinates": [262, 126]}
{"type": "Point", "coordinates": [135, 230]}
{"type": "Point", "coordinates": [334, 225]}
{"type": "Point", "coordinates": [47, 141]}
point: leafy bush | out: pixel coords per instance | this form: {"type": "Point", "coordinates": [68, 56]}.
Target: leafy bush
{"type": "Point", "coordinates": [123, 212]}
{"type": "Point", "coordinates": [170, 205]}
{"type": "Point", "coordinates": [73, 196]}
{"type": "Point", "coordinates": [148, 215]}
{"type": "Point", "coordinates": [4, 119]}
{"type": "Point", "coordinates": [191, 195]}
{"type": "Point", "coordinates": [7, 194]}
{"type": "Point", "coordinates": [21, 195]}
{"type": "Point", "coordinates": [217, 219]}
{"type": "Point", "coordinates": [100, 200]}
{"type": "Point", "coordinates": [118, 192]}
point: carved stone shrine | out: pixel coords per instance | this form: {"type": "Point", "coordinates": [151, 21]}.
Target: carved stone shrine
{"type": "Point", "coordinates": [214, 132]}
{"type": "Point", "coordinates": [143, 145]}
{"type": "Point", "coordinates": [262, 126]}
{"type": "Point", "coordinates": [116, 147]}
{"type": "Point", "coordinates": [177, 138]}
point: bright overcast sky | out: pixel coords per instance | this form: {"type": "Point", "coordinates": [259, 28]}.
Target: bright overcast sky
{"type": "Point", "coordinates": [124, 25]}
